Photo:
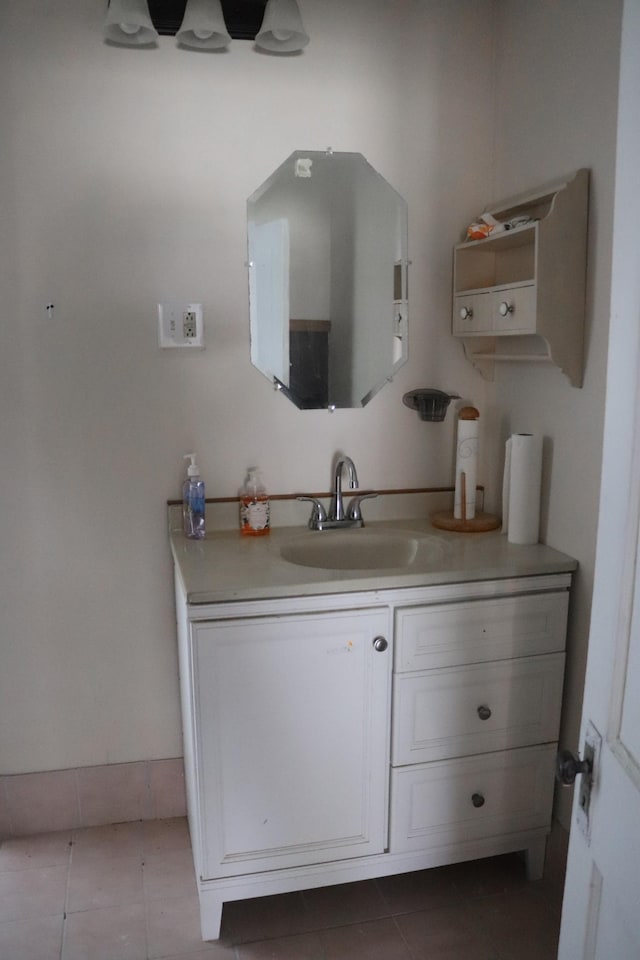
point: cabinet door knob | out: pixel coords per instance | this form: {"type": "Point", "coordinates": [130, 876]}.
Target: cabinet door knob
{"type": "Point", "coordinates": [484, 712]}
{"type": "Point", "coordinates": [477, 800]}
{"type": "Point", "coordinates": [466, 313]}
{"type": "Point", "coordinates": [505, 308]}
{"type": "Point", "coordinates": [380, 644]}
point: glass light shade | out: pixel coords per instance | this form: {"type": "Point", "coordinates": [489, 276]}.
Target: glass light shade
{"type": "Point", "coordinates": [203, 26]}
{"type": "Point", "coordinates": [282, 30]}
{"type": "Point", "coordinates": [128, 21]}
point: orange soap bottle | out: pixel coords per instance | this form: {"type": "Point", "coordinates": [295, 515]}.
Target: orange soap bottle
{"type": "Point", "coordinates": [255, 510]}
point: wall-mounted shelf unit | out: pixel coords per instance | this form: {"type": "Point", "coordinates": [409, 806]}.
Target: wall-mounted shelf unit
{"type": "Point", "coordinates": [519, 295]}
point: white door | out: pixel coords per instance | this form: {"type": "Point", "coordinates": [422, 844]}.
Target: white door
{"type": "Point", "coordinates": [601, 913]}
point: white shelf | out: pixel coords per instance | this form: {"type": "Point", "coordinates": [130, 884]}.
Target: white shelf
{"type": "Point", "coordinates": [520, 295]}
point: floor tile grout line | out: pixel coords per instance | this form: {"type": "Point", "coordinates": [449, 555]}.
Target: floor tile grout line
{"type": "Point", "coordinates": [410, 953]}
{"type": "Point", "coordinates": [66, 897]}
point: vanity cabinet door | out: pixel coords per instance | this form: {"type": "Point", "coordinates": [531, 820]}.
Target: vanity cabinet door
{"type": "Point", "coordinates": [293, 739]}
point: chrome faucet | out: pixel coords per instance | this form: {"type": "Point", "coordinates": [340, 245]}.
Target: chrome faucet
{"type": "Point", "coordinates": [338, 517]}
{"type": "Point", "coordinates": [336, 510]}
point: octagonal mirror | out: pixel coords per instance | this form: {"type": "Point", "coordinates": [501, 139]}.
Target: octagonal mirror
{"type": "Point", "coordinates": [327, 240]}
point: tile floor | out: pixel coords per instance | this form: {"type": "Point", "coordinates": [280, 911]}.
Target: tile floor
{"type": "Point", "coordinates": [127, 892]}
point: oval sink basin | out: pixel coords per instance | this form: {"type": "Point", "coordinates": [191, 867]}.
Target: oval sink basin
{"type": "Point", "coordinates": [352, 550]}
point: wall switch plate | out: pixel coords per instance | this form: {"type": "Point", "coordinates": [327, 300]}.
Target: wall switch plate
{"type": "Point", "coordinates": [180, 325]}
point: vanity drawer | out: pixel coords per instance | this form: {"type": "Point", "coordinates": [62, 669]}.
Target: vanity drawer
{"type": "Point", "coordinates": [447, 634]}
{"type": "Point", "coordinates": [513, 310]}
{"type": "Point", "coordinates": [472, 314]}
{"type": "Point", "coordinates": [476, 708]}
{"type": "Point", "coordinates": [459, 801]}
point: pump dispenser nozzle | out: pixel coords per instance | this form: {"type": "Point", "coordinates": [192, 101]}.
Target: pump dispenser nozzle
{"type": "Point", "coordinates": [192, 469]}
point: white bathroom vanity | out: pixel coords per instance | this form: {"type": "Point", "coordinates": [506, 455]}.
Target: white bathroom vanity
{"type": "Point", "coordinates": [343, 724]}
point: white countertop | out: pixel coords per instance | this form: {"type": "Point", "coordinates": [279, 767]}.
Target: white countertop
{"type": "Point", "coordinates": [226, 566]}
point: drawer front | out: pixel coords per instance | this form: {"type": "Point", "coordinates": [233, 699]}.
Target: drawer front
{"type": "Point", "coordinates": [514, 310]}
{"type": "Point", "coordinates": [447, 634]}
{"type": "Point", "coordinates": [479, 708]}
{"type": "Point", "coordinates": [472, 314]}
{"type": "Point", "coordinates": [459, 801]}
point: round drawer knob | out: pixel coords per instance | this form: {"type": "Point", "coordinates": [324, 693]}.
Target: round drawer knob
{"type": "Point", "coordinates": [484, 712]}
{"type": "Point", "coordinates": [477, 800]}
{"type": "Point", "coordinates": [466, 313]}
{"type": "Point", "coordinates": [380, 644]}
{"type": "Point", "coordinates": [505, 308]}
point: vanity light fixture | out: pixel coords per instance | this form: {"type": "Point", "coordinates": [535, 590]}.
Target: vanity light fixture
{"type": "Point", "coordinates": [203, 26]}
{"type": "Point", "coordinates": [282, 30]}
{"type": "Point", "coordinates": [274, 25]}
{"type": "Point", "coordinates": [129, 22]}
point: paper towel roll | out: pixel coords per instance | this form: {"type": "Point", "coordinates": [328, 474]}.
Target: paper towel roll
{"type": "Point", "coordinates": [521, 488]}
{"type": "Point", "coordinates": [466, 464]}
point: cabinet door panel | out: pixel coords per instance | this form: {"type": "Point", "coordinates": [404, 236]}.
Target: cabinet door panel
{"type": "Point", "coordinates": [294, 721]}
{"type": "Point", "coordinates": [475, 709]}
{"type": "Point", "coordinates": [458, 801]}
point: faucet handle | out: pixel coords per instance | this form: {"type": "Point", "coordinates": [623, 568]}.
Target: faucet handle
{"type": "Point", "coordinates": [353, 510]}
{"type": "Point", "coordinates": [318, 514]}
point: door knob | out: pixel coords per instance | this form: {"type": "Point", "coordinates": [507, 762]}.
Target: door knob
{"type": "Point", "coordinates": [505, 308]}
{"type": "Point", "coordinates": [466, 313]}
{"type": "Point", "coordinates": [477, 800]}
{"type": "Point", "coordinates": [380, 644]}
{"type": "Point", "coordinates": [484, 712]}
{"type": "Point", "coordinates": [569, 767]}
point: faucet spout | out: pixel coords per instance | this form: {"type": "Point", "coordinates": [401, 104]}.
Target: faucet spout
{"type": "Point", "coordinates": [337, 517]}
{"type": "Point", "coordinates": [336, 511]}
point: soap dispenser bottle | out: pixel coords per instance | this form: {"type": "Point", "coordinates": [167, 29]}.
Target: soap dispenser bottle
{"type": "Point", "coordinates": [255, 510]}
{"type": "Point", "coordinates": [193, 501]}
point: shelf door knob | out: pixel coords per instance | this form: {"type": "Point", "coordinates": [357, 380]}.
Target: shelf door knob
{"type": "Point", "coordinates": [484, 712]}
{"type": "Point", "coordinates": [380, 644]}
{"type": "Point", "coordinates": [466, 313]}
{"type": "Point", "coordinates": [477, 800]}
{"type": "Point", "coordinates": [505, 308]}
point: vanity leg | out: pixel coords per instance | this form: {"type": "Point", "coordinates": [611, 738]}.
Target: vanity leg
{"type": "Point", "coordinates": [210, 915]}
{"type": "Point", "coordinates": [534, 859]}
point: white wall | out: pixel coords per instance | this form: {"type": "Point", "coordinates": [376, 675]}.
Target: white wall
{"type": "Point", "coordinates": [556, 108]}
{"type": "Point", "coordinates": [123, 181]}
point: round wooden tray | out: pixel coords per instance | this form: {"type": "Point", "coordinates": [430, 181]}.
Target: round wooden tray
{"type": "Point", "coordinates": [481, 523]}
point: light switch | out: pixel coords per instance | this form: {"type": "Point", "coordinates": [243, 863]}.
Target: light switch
{"type": "Point", "coordinates": [180, 325]}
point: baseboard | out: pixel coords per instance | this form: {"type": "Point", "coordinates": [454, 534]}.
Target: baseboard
{"type": "Point", "coordinates": [91, 796]}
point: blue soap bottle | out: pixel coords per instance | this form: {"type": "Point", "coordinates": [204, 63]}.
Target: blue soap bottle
{"type": "Point", "coordinates": [193, 501]}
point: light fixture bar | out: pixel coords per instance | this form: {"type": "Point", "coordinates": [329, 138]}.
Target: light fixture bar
{"type": "Point", "coordinates": [243, 18]}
